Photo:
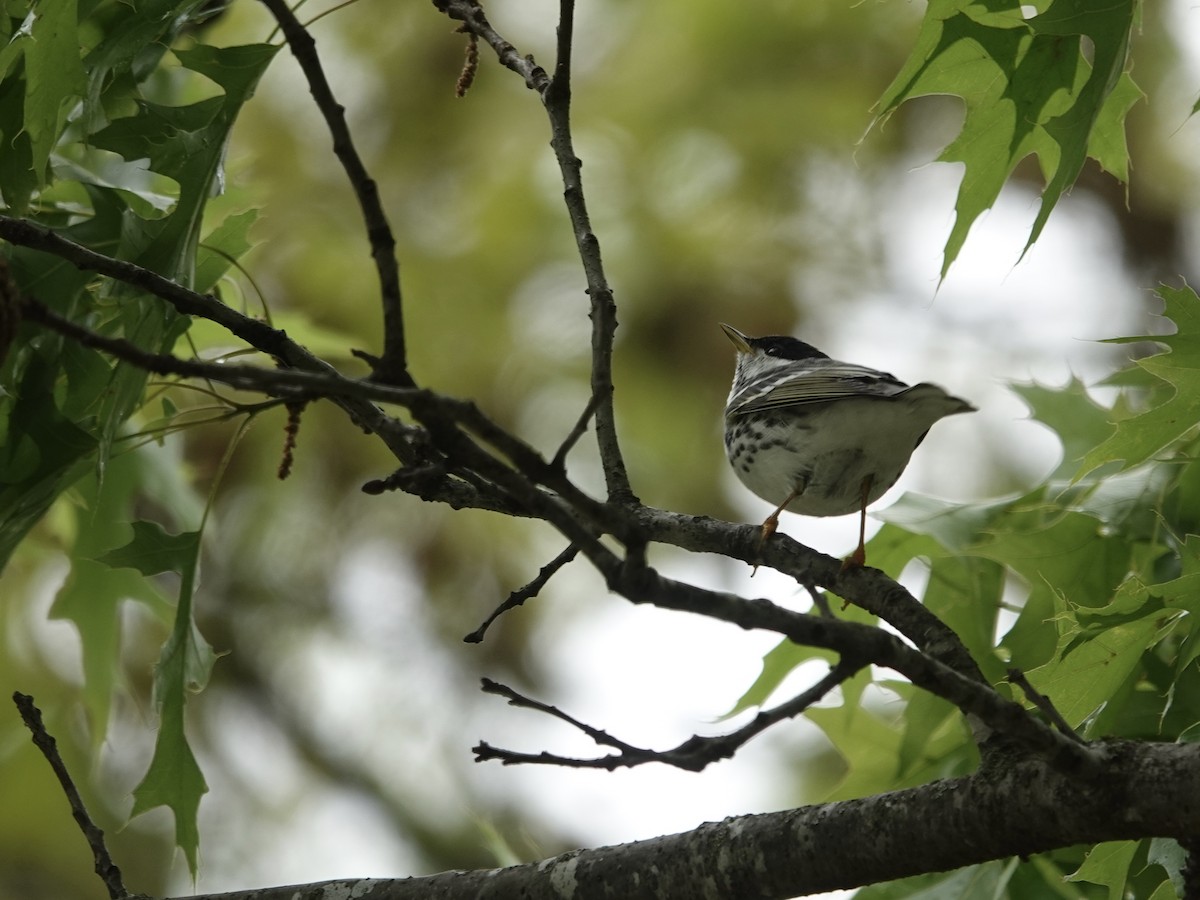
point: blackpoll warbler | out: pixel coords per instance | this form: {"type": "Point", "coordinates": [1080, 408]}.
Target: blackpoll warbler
{"type": "Point", "coordinates": [821, 437]}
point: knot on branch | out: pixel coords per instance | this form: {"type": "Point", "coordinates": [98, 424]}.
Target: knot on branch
{"type": "Point", "coordinates": [423, 480]}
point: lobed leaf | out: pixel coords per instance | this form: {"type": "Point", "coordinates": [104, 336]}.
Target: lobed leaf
{"type": "Point", "coordinates": [1029, 89]}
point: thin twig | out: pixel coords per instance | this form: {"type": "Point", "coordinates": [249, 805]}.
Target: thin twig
{"type": "Point", "coordinates": [1042, 702]}
{"type": "Point", "coordinates": [471, 14]}
{"type": "Point", "coordinates": [693, 755]}
{"type": "Point", "coordinates": [580, 429]}
{"type": "Point", "coordinates": [393, 365]}
{"type": "Point", "coordinates": [519, 596]}
{"type": "Point", "coordinates": [820, 601]}
{"type": "Point", "coordinates": [108, 871]}
{"type": "Point", "coordinates": [556, 97]}
{"type": "Point", "coordinates": [862, 642]}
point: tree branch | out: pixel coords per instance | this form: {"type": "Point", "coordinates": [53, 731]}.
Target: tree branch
{"type": "Point", "coordinates": [1042, 702]}
{"type": "Point", "coordinates": [582, 519]}
{"type": "Point", "coordinates": [471, 14]}
{"type": "Point", "coordinates": [556, 97]}
{"type": "Point", "coordinates": [108, 871]}
{"type": "Point", "coordinates": [860, 642]}
{"type": "Point", "coordinates": [392, 367]}
{"type": "Point", "coordinates": [1025, 808]}
{"type": "Point", "coordinates": [519, 596]}
{"type": "Point", "coordinates": [693, 755]}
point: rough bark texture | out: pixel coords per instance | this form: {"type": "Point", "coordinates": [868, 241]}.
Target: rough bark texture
{"type": "Point", "coordinates": [1018, 807]}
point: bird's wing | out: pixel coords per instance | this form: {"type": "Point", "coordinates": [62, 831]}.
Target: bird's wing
{"type": "Point", "coordinates": [814, 381]}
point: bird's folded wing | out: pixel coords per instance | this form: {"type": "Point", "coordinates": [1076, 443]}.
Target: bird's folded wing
{"type": "Point", "coordinates": [832, 380]}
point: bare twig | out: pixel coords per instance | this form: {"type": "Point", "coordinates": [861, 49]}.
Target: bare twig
{"type": "Point", "coordinates": [108, 871]}
{"type": "Point", "coordinates": [393, 365]}
{"type": "Point", "coordinates": [1042, 702]}
{"type": "Point", "coordinates": [693, 755]}
{"type": "Point", "coordinates": [560, 458]}
{"type": "Point", "coordinates": [820, 601]}
{"type": "Point", "coordinates": [519, 596]}
{"type": "Point", "coordinates": [471, 14]}
{"type": "Point", "coordinates": [556, 97]}
{"type": "Point", "coordinates": [862, 642]}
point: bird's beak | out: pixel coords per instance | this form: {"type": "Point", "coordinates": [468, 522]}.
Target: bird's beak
{"type": "Point", "coordinates": [739, 340]}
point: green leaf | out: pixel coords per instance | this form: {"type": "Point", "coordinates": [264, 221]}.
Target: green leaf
{"type": "Point", "coordinates": [1140, 438]}
{"type": "Point", "coordinates": [1028, 89]}
{"type": "Point", "coordinates": [965, 593]}
{"type": "Point", "coordinates": [40, 456]}
{"type": "Point", "coordinates": [1067, 560]}
{"type": "Point", "coordinates": [1077, 421]}
{"type": "Point", "coordinates": [153, 551]}
{"type": "Point", "coordinates": [18, 180]}
{"type": "Point", "coordinates": [1169, 853]}
{"type": "Point", "coordinates": [54, 77]}
{"type": "Point", "coordinates": [174, 778]}
{"type": "Point", "coordinates": [868, 743]}
{"type": "Point", "coordinates": [14, 48]}
{"type": "Point", "coordinates": [780, 661]}
{"type": "Point", "coordinates": [1165, 891]}
{"type": "Point", "coordinates": [187, 145]}
{"type": "Point", "coordinates": [1098, 104]}
{"type": "Point", "coordinates": [784, 658]}
{"type": "Point", "coordinates": [986, 880]}
{"type": "Point", "coordinates": [1108, 865]}
{"type": "Point", "coordinates": [1099, 651]}
{"type": "Point", "coordinates": [133, 37]}
{"type": "Point", "coordinates": [930, 527]}
{"type": "Point", "coordinates": [222, 246]}
{"type": "Point", "coordinates": [936, 742]}
{"type": "Point", "coordinates": [90, 599]}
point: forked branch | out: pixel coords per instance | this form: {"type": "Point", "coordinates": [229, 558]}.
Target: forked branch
{"type": "Point", "coordinates": [556, 97]}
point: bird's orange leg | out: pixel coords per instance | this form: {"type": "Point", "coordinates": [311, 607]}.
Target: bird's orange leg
{"type": "Point", "coordinates": [772, 522]}
{"type": "Point", "coordinates": [859, 557]}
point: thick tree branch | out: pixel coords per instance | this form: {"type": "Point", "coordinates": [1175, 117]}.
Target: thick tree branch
{"type": "Point", "coordinates": [1024, 808]}
{"type": "Point", "coordinates": [865, 587]}
{"type": "Point", "coordinates": [392, 367]}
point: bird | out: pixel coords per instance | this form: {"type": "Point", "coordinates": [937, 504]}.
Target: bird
{"type": "Point", "coordinates": [820, 437]}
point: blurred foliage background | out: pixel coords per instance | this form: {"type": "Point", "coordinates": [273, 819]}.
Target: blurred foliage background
{"type": "Point", "coordinates": [729, 179]}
